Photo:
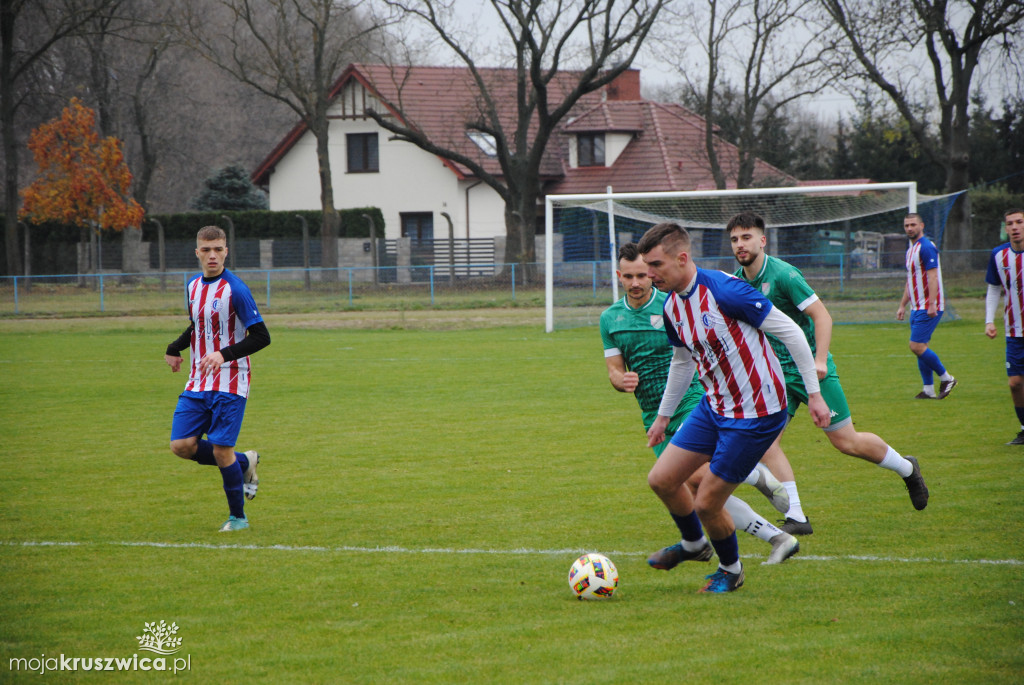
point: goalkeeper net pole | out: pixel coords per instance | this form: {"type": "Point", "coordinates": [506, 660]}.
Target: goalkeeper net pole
{"type": "Point", "coordinates": [575, 245]}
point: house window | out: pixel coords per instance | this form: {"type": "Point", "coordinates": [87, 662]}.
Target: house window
{"type": "Point", "coordinates": [590, 149]}
{"type": "Point", "coordinates": [484, 141]}
{"type": "Point", "coordinates": [418, 225]}
{"type": "Point", "coordinates": [362, 152]}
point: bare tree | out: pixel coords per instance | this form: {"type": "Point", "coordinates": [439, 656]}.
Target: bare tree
{"type": "Point", "coordinates": [291, 51]}
{"type": "Point", "coordinates": [766, 46]}
{"type": "Point", "coordinates": [559, 52]}
{"type": "Point", "coordinates": [886, 41]}
{"type": "Point", "coordinates": [29, 29]}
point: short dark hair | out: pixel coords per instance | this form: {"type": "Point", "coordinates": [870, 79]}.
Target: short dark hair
{"type": "Point", "coordinates": [914, 215]}
{"type": "Point", "coordinates": [629, 252]}
{"type": "Point", "coordinates": [746, 220]}
{"type": "Point", "coordinates": [668, 234]}
{"type": "Point", "coordinates": [211, 233]}
{"type": "Point", "coordinates": [1012, 210]}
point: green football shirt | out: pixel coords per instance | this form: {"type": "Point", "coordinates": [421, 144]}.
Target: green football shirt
{"type": "Point", "coordinates": [639, 336]}
{"type": "Point", "coordinates": [784, 285]}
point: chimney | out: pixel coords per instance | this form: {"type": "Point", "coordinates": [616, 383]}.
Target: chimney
{"type": "Point", "coordinates": [626, 86]}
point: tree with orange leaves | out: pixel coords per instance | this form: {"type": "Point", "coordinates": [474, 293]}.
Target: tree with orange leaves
{"type": "Point", "coordinates": [83, 180]}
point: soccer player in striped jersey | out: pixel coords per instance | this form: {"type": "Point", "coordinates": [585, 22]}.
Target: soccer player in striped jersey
{"type": "Point", "coordinates": [225, 327]}
{"type": "Point", "coordinates": [927, 301]}
{"type": "Point", "coordinates": [717, 324]}
{"type": "Point", "coordinates": [637, 354]}
{"type": "Point", "coordinates": [787, 289]}
{"type": "Point", "coordinates": [1005, 276]}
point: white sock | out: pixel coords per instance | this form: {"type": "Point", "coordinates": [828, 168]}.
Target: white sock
{"type": "Point", "coordinates": [929, 390]}
{"type": "Point", "coordinates": [795, 512]}
{"type": "Point", "coordinates": [751, 478]}
{"type": "Point", "coordinates": [946, 377]}
{"type": "Point", "coordinates": [895, 462]}
{"type": "Point", "coordinates": [748, 520]}
{"type": "Point", "coordinates": [731, 568]}
{"type": "Point", "coordinates": [695, 545]}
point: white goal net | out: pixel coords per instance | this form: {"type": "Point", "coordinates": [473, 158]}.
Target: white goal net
{"type": "Point", "coordinates": [847, 239]}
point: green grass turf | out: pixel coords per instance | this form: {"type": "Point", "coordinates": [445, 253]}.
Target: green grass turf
{"type": "Point", "coordinates": [424, 493]}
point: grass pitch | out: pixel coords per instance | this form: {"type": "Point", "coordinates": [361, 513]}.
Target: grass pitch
{"type": "Point", "coordinates": [424, 492]}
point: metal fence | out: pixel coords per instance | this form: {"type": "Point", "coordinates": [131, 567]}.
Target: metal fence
{"type": "Point", "coordinates": [869, 285]}
{"type": "Point", "coordinates": [279, 290]}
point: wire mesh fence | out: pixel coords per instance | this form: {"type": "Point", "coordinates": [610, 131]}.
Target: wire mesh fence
{"type": "Point", "coordinates": [855, 290]}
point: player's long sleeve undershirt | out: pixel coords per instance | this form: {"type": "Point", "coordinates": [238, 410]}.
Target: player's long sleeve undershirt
{"type": "Point", "coordinates": [992, 296]}
{"type": "Point", "coordinates": [258, 337]}
{"type": "Point", "coordinates": [786, 330]}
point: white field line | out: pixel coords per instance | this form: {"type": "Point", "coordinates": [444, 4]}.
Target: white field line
{"type": "Point", "coordinates": [454, 551]}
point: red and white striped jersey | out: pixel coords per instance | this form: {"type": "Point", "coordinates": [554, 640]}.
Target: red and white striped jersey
{"type": "Point", "coordinates": [221, 310]}
{"type": "Point", "coordinates": [1006, 269]}
{"type": "Point", "coordinates": [922, 256]}
{"type": "Point", "coordinates": [717, 322]}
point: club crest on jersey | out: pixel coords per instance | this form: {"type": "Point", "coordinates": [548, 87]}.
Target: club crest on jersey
{"type": "Point", "coordinates": [215, 305]}
{"type": "Point", "coordinates": [657, 321]}
{"type": "Point", "coordinates": [708, 319]}
{"type": "Point", "coordinates": [765, 287]}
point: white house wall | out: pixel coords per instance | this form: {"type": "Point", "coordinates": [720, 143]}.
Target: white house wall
{"type": "Point", "coordinates": [409, 180]}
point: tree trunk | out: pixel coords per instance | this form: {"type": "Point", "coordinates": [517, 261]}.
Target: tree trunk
{"type": "Point", "coordinates": [7, 17]}
{"type": "Point", "coordinates": [331, 223]}
{"type": "Point", "coordinates": [957, 237]}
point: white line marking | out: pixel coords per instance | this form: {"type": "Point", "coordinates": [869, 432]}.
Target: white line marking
{"type": "Point", "coordinates": [448, 550]}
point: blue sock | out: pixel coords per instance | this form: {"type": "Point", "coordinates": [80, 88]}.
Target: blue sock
{"type": "Point", "coordinates": [727, 549]}
{"type": "Point", "coordinates": [689, 526]}
{"type": "Point", "coordinates": [1020, 414]}
{"type": "Point", "coordinates": [242, 460]}
{"type": "Point", "coordinates": [927, 363]}
{"type": "Point", "coordinates": [204, 453]}
{"type": "Point", "coordinates": [232, 476]}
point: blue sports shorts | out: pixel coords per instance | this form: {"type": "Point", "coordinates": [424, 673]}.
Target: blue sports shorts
{"type": "Point", "coordinates": [922, 326]}
{"type": "Point", "coordinates": [1015, 356]}
{"type": "Point", "coordinates": [735, 445]}
{"type": "Point", "coordinates": [218, 414]}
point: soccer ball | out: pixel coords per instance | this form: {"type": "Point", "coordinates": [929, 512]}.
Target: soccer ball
{"type": "Point", "coordinates": [593, 576]}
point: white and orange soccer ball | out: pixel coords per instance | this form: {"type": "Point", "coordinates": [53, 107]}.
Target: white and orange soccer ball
{"type": "Point", "coordinates": [593, 576]}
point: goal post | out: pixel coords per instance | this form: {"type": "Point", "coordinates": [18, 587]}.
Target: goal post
{"type": "Point", "coordinates": [583, 232]}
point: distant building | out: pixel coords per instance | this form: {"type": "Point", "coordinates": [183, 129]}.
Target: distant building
{"type": "Point", "coordinates": [613, 138]}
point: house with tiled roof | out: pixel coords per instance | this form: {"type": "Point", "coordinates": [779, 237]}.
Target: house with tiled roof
{"type": "Point", "coordinates": [613, 138]}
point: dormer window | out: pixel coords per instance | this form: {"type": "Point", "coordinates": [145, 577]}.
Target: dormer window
{"type": "Point", "coordinates": [484, 141]}
{"type": "Point", "coordinates": [590, 149]}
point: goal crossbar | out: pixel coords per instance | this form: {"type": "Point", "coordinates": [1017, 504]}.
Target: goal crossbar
{"type": "Point", "coordinates": [605, 202]}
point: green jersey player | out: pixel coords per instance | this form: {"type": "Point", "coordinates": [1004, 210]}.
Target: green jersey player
{"type": "Point", "coordinates": [787, 289]}
{"type": "Point", "coordinates": [637, 354]}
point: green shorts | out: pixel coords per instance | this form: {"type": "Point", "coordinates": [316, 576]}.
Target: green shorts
{"type": "Point", "coordinates": [831, 392]}
{"type": "Point", "coordinates": [690, 400]}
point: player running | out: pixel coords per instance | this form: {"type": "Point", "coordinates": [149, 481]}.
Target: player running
{"type": "Point", "coordinates": [225, 327]}
{"type": "Point", "coordinates": [637, 354]}
{"type": "Point", "coordinates": [717, 325]}
{"type": "Point", "coordinates": [785, 286]}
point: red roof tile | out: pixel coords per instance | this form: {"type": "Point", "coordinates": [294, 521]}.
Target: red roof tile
{"type": "Point", "coordinates": [666, 153]}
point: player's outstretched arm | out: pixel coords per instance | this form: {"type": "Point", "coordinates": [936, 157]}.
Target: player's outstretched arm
{"type": "Point", "coordinates": [680, 375]}
{"type": "Point", "coordinates": [786, 330]}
